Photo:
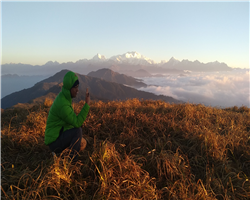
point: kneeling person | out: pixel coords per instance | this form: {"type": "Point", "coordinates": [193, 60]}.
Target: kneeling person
{"type": "Point", "coordinates": [63, 129]}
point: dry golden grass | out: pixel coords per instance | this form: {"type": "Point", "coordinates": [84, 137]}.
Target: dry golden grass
{"type": "Point", "coordinates": [136, 150]}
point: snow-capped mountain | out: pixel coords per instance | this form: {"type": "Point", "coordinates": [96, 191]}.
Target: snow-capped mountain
{"type": "Point", "coordinates": [172, 61]}
{"type": "Point", "coordinates": [99, 57]}
{"type": "Point", "coordinates": [133, 58]}
{"type": "Point", "coordinates": [130, 61]}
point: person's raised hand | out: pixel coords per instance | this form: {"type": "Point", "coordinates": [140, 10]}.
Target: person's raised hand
{"type": "Point", "coordinates": [87, 98]}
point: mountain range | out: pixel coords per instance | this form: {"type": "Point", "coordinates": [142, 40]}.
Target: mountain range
{"type": "Point", "coordinates": [99, 89]}
{"type": "Point", "coordinates": [119, 63]}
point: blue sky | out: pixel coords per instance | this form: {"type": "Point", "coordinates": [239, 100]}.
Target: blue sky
{"type": "Point", "coordinates": [37, 32]}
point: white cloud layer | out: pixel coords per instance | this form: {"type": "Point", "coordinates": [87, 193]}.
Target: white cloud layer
{"type": "Point", "coordinates": [218, 89]}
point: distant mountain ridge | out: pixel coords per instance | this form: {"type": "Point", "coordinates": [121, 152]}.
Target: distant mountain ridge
{"type": "Point", "coordinates": [99, 89]}
{"type": "Point", "coordinates": [109, 75]}
{"type": "Point", "coordinates": [195, 66]}
{"type": "Point", "coordinates": [128, 61]}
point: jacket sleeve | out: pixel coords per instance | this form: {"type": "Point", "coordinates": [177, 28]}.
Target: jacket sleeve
{"type": "Point", "coordinates": [68, 115]}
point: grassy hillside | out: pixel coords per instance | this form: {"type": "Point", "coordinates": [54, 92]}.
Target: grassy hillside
{"type": "Point", "coordinates": [136, 150]}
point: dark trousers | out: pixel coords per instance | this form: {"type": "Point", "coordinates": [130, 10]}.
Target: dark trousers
{"type": "Point", "coordinates": [68, 139]}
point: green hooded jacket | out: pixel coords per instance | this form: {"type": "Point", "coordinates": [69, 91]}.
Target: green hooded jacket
{"type": "Point", "coordinates": [61, 114]}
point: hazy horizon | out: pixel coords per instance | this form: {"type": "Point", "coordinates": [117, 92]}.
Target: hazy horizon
{"type": "Point", "coordinates": [156, 63]}
{"type": "Point", "coordinates": [216, 89]}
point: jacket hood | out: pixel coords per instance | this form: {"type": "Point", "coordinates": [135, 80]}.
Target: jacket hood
{"type": "Point", "coordinates": [69, 80]}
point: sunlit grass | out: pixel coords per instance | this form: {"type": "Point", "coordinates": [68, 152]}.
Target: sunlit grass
{"type": "Point", "coordinates": [136, 150]}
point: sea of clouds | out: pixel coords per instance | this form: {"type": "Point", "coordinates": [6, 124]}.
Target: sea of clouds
{"type": "Point", "coordinates": [217, 89]}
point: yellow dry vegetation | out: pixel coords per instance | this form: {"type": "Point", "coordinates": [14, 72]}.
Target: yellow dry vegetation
{"type": "Point", "coordinates": [136, 149]}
